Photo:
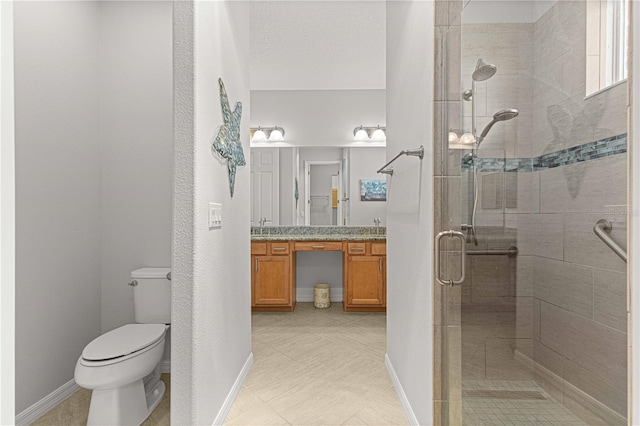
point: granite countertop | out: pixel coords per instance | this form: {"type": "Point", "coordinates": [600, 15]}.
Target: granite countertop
{"type": "Point", "coordinates": [318, 233]}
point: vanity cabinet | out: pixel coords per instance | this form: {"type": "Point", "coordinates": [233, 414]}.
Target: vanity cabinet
{"type": "Point", "coordinates": [273, 273]}
{"type": "Point", "coordinates": [365, 272]}
{"type": "Point", "coordinates": [273, 276]}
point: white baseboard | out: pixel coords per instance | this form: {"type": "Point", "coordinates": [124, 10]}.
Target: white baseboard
{"type": "Point", "coordinates": [165, 366]}
{"type": "Point", "coordinates": [38, 409]}
{"type": "Point", "coordinates": [406, 406]}
{"type": "Point", "coordinates": [306, 294]}
{"type": "Point", "coordinates": [233, 393]}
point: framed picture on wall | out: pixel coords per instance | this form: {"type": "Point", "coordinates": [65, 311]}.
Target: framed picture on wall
{"type": "Point", "coordinates": [373, 190]}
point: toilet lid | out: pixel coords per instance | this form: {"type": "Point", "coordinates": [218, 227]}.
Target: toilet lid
{"type": "Point", "coordinates": [123, 341]}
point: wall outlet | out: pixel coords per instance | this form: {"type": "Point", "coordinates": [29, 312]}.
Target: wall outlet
{"type": "Point", "coordinates": [215, 215]}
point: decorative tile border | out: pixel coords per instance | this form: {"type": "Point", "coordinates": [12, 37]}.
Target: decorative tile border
{"type": "Point", "coordinates": [589, 151]}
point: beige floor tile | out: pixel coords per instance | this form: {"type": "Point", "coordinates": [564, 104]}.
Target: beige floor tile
{"type": "Point", "coordinates": [311, 367]}
{"type": "Point", "coordinates": [75, 410]}
{"type": "Point", "coordinates": [318, 367]}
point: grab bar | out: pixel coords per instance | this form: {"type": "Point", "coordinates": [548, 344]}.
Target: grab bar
{"type": "Point", "coordinates": [418, 152]}
{"type": "Point", "coordinates": [602, 228]}
{"type": "Point", "coordinates": [511, 252]}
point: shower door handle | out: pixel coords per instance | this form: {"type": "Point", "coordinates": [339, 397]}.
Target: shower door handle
{"type": "Point", "coordinates": [463, 258]}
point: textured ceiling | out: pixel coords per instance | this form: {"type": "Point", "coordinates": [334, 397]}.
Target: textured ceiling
{"type": "Point", "coordinates": [299, 45]}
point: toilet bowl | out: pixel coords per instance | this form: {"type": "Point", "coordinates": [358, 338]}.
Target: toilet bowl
{"type": "Point", "coordinates": [122, 367]}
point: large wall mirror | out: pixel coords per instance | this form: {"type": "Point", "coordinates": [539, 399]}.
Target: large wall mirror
{"type": "Point", "coordinates": [316, 186]}
{"type": "Point", "coordinates": [314, 176]}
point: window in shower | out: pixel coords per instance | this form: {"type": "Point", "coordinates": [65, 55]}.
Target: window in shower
{"type": "Point", "coordinates": [607, 28]}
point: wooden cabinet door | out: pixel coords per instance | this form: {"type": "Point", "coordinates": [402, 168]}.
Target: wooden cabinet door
{"type": "Point", "coordinates": [365, 280]}
{"type": "Point", "coordinates": [271, 285]}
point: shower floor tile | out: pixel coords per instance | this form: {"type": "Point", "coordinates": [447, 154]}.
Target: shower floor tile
{"type": "Point", "coordinates": [512, 402]}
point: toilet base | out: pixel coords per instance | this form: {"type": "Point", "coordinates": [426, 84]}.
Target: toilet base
{"type": "Point", "coordinates": [127, 405]}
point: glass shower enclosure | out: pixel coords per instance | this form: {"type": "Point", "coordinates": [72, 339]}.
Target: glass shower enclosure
{"type": "Point", "coordinates": [530, 168]}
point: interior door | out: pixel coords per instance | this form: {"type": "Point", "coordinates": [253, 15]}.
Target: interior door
{"type": "Point", "coordinates": [265, 186]}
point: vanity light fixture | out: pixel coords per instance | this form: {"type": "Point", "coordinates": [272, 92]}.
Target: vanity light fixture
{"type": "Point", "coordinates": [362, 133]}
{"type": "Point", "coordinates": [264, 134]}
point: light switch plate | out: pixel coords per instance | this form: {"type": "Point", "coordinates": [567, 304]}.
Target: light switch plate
{"type": "Point", "coordinates": [215, 215]}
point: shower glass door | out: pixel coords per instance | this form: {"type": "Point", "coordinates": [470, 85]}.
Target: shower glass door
{"type": "Point", "coordinates": [529, 157]}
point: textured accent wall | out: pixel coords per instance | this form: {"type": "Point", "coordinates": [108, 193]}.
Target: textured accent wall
{"type": "Point", "coordinates": [211, 317]}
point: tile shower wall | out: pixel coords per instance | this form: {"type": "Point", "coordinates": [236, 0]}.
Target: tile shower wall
{"type": "Point", "coordinates": [569, 288]}
{"type": "Point", "coordinates": [579, 289]}
{"type": "Point", "coordinates": [497, 308]}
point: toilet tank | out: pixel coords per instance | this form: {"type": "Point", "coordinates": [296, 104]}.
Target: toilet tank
{"type": "Point", "coordinates": [152, 295]}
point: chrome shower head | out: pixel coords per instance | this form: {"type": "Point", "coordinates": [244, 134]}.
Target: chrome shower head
{"type": "Point", "coordinates": [503, 115]}
{"type": "Point", "coordinates": [483, 71]}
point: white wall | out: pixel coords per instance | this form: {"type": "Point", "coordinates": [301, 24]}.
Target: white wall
{"type": "Point", "coordinates": [57, 192]}
{"type": "Point", "coordinates": [410, 203]}
{"type": "Point", "coordinates": [318, 117]}
{"type": "Point", "coordinates": [211, 290]}
{"type": "Point", "coordinates": [363, 164]}
{"type": "Point", "coordinates": [317, 45]}
{"type": "Point", "coordinates": [136, 147]}
{"type": "Point", "coordinates": [7, 217]}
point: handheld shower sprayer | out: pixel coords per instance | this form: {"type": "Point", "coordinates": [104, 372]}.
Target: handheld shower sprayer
{"type": "Point", "coordinates": [503, 115]}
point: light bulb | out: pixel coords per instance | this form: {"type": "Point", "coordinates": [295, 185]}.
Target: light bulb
{"type": "Point", "coordinates": [467, 139]}
{"type": "Point", "coordinates": [276, 135]}
{"type": "Point", "coordinates": [361, 135]}
{"type": "Point", "coordinates": [378, 135]}
{"type": "Point", "coordinates": [453, 137]}
{"type": "Point", "coordinates": [259, 135]}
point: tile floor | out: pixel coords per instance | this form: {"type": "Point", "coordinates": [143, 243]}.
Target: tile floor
{"type": "Point", "coordinates": [74, 410]}
{"type": "Point", "coordinates": [318, 367]}
{"type": "Point", "coordinates": [498, 387]}
{"type": "Point", "coordinates": [311, 367]}
{"type": "Point", "coordinates": [511, 409]}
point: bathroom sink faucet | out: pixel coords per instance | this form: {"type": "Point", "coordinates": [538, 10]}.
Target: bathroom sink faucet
{"type": "Point", "coordinates": [376, 220]}
{"type": "Point", "coordinates": [262, 221]}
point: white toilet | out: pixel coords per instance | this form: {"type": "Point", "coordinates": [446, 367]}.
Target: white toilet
{"type": "Point", "coordinates": [122, 367]}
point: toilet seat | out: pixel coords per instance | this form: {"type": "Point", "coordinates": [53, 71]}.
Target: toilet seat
{"type": "Point", "coordinates": [122, 343]}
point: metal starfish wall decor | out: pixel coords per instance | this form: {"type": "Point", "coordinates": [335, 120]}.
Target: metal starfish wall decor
{"type": "Point", "coordinates": [227, 144]}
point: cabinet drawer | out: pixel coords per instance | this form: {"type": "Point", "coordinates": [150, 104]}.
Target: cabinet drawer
{"type": "Point", "coordinates": [258, 248]}
{"type": "Point", "coordinates": [280, 248]}
{"type": "Point", "coordinates": [378, 248]}
{"type": "Point", "coordinates": [318, 246]}
{"type": "Point", "coordinates": [356, 248]}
